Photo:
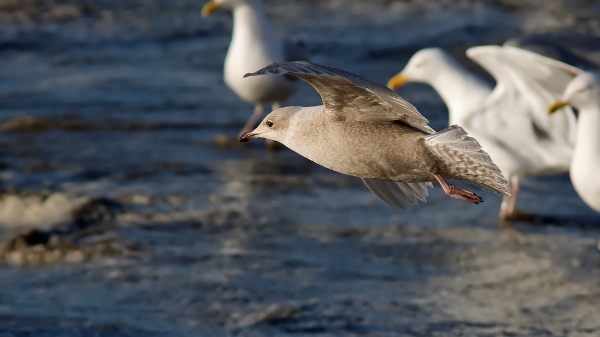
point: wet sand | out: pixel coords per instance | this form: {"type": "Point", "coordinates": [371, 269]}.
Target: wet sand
{"type": "Point", "coordinates": [122, 216]}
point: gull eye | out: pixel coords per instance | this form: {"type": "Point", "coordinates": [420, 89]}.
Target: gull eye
{"type": "Point", "coordinates": [270, 124]}
{"type": "Point", "coordinates": [580, 91]}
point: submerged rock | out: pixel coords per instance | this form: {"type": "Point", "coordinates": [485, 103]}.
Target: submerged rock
{"type": "Point", "coordinates": [62, 229]}
{"type": "Point", "coordinates": [35, 124]}
{"type": "Point", "coordinates": [35, 211]}
{"type": "Point", "coordinates": [97, 210]}
{"type": "Point", "coordinates": [39, 247]}
{"type": "Point", "coordinates": [26, 124]}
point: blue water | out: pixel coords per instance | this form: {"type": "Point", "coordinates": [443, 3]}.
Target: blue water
{"type": "Point", "coordinates": [242, 242]}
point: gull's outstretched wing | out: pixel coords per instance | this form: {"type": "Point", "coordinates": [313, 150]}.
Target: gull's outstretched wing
{"type": "Point", "coordinates": [514, 112]}
{"type": "Point", "coordinates": [577, 49]}
{"type": "Point", "coordinates": [350, 96]}
{"type": "Point", "coordinates": [552, 75]}
{"type": "Point", "coordinates": [397, 194]}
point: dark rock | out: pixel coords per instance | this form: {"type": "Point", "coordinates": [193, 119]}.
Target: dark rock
{"type": "Point", "coordinates": [96, 211]}
{"type": "Point", "coordinates": [69, 243]}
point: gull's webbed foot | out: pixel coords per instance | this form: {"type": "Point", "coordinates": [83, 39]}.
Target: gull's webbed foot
{"type": "Point", "coordinates": [458, 193]}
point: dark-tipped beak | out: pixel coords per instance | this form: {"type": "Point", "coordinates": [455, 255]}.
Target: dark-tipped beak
{"type": "Point", "coordinates": [246, 137]}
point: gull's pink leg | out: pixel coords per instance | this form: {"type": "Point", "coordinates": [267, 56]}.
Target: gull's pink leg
{"type": "Point", "coordinates": [251, 123]}
{"type": "Point", "coordinates": [514, 190]}
{"type": "Point", "coordinates": [508, 209]}
{"type": "Point", "coordinates": [504, 207]}
{"type": "Point", "coordinates": [458, 193]}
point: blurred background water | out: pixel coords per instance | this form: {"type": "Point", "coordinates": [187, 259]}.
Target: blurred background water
{"type": "Point", "coordinates": [123, 216]}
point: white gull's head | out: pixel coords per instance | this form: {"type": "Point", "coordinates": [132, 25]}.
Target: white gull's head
{"type": "Point", "coordinates": [423, 67]}
{"type": "Point", "coordinates": [230, 5]}
{"type": "Point", "coordinates": [581, 93]}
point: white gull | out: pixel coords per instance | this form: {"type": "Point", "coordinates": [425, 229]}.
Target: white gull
{"type": "Point", "coordinates": [255, 43]}
{"type": "Point", "coordinates": [510, 119]}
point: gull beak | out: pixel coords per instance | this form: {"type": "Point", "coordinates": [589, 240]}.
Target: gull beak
{"type": "Point", "coordinates": [556, 105]}
{"type": "Point", "coordinates": [398, 81]}
{"type": "Point", "coordinates": [210, 7]}
{"type": "Point", "coordinates": [248, 136]}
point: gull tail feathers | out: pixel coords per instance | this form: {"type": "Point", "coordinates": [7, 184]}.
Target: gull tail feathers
{"type": "Point", "coordinates": [397, 194]}
{"type": "Point", "coordinates": [465, 159]}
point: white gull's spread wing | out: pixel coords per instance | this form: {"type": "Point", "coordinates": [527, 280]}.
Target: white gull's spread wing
{"type": "Point", "coordinates": [350, 96]}
{"type": "Point", "coordinates": [503, 63]}
{"type": "Point", "coordinates": [515, 112]}
{"type": "Point", "coordinates": [576, 49]}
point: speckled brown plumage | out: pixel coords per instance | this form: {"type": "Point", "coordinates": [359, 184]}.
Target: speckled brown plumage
{"type": "Point", "coordinates": [365, 130]}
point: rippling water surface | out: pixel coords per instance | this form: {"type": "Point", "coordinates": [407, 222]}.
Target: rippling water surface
{"type": "Point", "coordinates": [110, 111]}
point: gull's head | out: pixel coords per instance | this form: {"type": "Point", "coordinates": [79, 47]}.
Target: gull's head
{"type": "Point", "coordinates": [423, 66]}
{"type": "Point", "coordinates": [274, 127]}
{"type": "Point", "coordinates": [582, 91]}
{"type": "Point", "coordinates": [213, 5]}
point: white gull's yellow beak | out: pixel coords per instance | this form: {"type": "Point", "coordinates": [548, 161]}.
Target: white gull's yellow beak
{"type": "Point", "coordinates": [556, 105]}
{"type": "Point", "coordinates": [398, 81]}
{"type": "Point", "coordinates": [210, 7]}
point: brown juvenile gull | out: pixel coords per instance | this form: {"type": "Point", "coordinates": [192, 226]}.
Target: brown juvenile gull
{"type": "Point", "coordinates": [255, 43]}
{"type": "Point", "coordinates": [365, 130]}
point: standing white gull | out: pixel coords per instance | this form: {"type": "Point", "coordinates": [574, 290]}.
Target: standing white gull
{"type": "Point", "coordinates": [510, 119]}
{"type": "Point", "coordinates": [255, 43]}
{"type": "Point", "coordinates": [366, 130]}
{"type": "Point", "coordinates": [583, 93]}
